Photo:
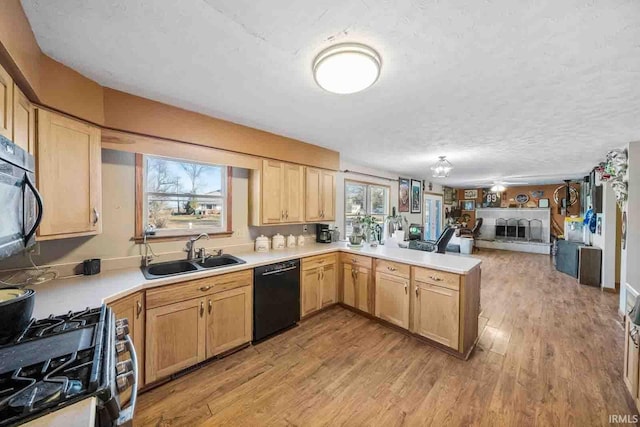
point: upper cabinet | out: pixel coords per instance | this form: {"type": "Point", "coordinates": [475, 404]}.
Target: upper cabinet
{"type": "Point", "coordinates": [277, 193]}
{"type": "Point", "coordinates": [69, 176]}
{"type": "Point", "coordinates": [320, 195]}
{"type": "Point", "coordinates": [24, 121]}
{"type": "Point", "coordinates": [6, 104]}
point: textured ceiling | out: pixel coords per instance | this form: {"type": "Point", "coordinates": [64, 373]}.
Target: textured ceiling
{"type": "Point", "coordinates": [509, 90]}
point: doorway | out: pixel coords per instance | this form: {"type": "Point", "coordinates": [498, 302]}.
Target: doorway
{"type": "Point", "coordinates": [433, 216]}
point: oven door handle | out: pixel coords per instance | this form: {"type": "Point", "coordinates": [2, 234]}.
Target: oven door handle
{"type": "Point", "coordinates": [126, 415]}
{"type": "Point", "coordinates": [269, 273]}
{"type": "Point", "coordinates": [38, 197]}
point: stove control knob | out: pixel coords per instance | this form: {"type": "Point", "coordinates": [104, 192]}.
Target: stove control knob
{"type": "Point", "coordinates": [124, 367]}
{"type": "Point", "coordinates": [122, 328]}
{"type": "Point", "coordinates": [124, 381]}
{"type": "Point", "coordinates": [121, 347]}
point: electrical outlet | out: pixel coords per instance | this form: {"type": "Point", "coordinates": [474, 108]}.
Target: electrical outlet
{"type": "Point", "coordinates": [33, 250]}
{"type": "Point", "coordinates": [305, 228]}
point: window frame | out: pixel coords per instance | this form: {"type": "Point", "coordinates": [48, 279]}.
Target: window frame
{"type": "Point", "coordinates": [140, 210]}
{"type": "Point", "coordinates": [367, 201]}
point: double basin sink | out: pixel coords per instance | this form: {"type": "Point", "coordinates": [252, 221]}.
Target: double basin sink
{"type": "Point", "coordinates": [173, 268]}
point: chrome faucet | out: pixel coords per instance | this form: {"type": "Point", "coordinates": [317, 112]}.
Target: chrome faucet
{"type": "Point", "coordinates": [190, 248]}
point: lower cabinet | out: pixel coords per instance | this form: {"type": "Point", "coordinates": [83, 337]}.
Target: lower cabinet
{"type": "Point", "coordinates": [437, 313]}
{"type": "Point", "coordinates": [184, 333]}
{"type": "Point", "coordinates": [357, 282]}
{"type": "Point", "coordinates": [132, 308]}
{"type": "Point", "coordinates": [175, 338]}
{"type": "Point", "coordinates": [632, 350]}
{"type": "Point", "coordinates": [229, 317]}
{"type": "Point", "coordinates": [392, 299]}
{"type": "Point", "coordinates": [318, 287]}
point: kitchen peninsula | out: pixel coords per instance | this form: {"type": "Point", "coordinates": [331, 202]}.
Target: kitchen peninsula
{"type": "Point", "coordinates": [432, 296]}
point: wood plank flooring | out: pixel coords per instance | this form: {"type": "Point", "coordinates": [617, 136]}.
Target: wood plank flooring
{"type": "Point", "coordinates": [550, 353]}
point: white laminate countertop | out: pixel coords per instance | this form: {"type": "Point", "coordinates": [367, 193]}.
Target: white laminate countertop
{"type": "Point", "coordinates": [77, 293]}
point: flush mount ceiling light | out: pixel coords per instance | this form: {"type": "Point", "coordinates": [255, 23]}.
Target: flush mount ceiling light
{"type": "Point", "coordinates": [498, 188]}
{"type": "Point", "coordinates": [346, 68]}
{"type": "Point", "coordinates": [441, 168]}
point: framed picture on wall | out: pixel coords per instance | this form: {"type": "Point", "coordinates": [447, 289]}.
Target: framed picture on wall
{"type": "Point", "coordinates": [470, 194]}
{"type": "Point", "coordinates": [416, 191]}
{"type": "Point", "coordinates": [403, 194]}
{"type": "Point", "coordinates": [468, 205]}
{"type": "Point", "coordinates": [448, 195]}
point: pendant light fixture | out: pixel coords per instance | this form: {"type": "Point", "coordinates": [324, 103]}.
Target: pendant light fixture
{"type": "Point", "coordinates": [346, 68]}
{"type": "Point", "coordinates": [441, 168]}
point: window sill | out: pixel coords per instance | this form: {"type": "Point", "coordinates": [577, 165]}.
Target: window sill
{"type": "Point", "coordinates": [177, 237]}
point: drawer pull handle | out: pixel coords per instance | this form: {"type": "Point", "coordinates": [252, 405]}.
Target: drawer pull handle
{"type": "Point", "coordinates": [417, 291]}
{"type": "Point", "coordinates": [391, 268]}
{"type": "Point", "coordinates": [406, 288]}
{"type": "Point", "coordinates": [201, 308]}
{"type": "Point", "coordinates": [205, 288]}
{"type": "Point", "coordinates": [210, 306]}
{"type": "Point", "coordinates": [138, 309]}
{"type": "Point", "coordinates": [435, 278]}
{"type": "Point", "coordinates": [353, 260]}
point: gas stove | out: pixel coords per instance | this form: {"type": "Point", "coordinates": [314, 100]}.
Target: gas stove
{"type": "Point", "coordinates": [61, 360]}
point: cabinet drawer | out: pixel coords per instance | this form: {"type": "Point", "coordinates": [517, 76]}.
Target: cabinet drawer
{"type": "Point", "coordinates": [196, 288]}
{"type": "Point", "coordinates": [312, 262]}
{"type": "Point", "coordinates": [394, 268]}
{"type": "Point", "coordinates": [358, 260]}
{"type": "Point", "coordinates": [436, 277]}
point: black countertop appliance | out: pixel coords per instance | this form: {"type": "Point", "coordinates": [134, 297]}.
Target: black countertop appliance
{"type": "Point", "coordinates": [323, 234]}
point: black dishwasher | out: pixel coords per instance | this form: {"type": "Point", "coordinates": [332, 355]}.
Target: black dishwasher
{"type": "Point", "coordinates": [276, 298]}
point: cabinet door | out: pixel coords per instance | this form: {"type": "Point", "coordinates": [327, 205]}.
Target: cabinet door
{"type": "Point", "coordinates": [69, 176]}
{"type": "Point", "coordinates": [132, 309]}
{"type": "Point", "coordinates": [23, 121]}
{"type": "Point", "coordinates": [175, 338]}
{"type": "Point", "coordinates": [363, 289]}
{"type": "Point", "coordinates": [328, 208]}
{"type": "Point", "coordinates": [392, 299]}
{"type": "Point", "coordinates": [348, 285]}
{"type": "Point", "coordinates": [631, 350]}
{"type": "Point", "coordinates": [294, 193]}
{"type": "Point", "coordinates": [313, 194]}
{"type": "Point", "coordinates": [229, 320]}
{"type": "Point", "coordinates": [272, 192]}
{"type": "Point", "coordinates": [437, 313]}
{"type": "Point", "coordinates": [6, 104]}
{"type": "Point", "coordinates": [310, 290]}
{"type": "Point", "coordinates": [329, 288]}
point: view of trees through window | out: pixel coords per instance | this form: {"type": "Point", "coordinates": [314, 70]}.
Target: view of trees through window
{"type": "Point", "coordinates": [364, 199]}
{"type": "Point", "coordinates": [184, 195]}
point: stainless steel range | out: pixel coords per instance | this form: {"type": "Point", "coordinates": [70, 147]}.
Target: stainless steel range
{"type": "Point", "coordinates": [61, 360]}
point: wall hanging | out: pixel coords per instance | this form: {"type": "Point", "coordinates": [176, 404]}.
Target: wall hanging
{"type": "Point", "coordinates": [403, 194]}
{"type": "Point", "coordinates": [416, 191]}
{"type": "Point", "coordinates": [613, 171]}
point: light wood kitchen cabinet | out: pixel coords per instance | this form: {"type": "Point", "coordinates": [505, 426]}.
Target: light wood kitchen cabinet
{"type": "Point", "coordinates": [229, 319]}
{"type": "Point", "coordinates": [24, 122]}
{"type": "Point", "coordinates": [6, 104]}
{"type": "Point", "coordinates": [320, 195]}
{"type": "Point", "coordinates": [357, 284]}
{"type": "Point", "coordinates": [132, 308]}
{"type": "Point", "coordinates": [318, 287]}
{"type": "Point", "coordinates": [631, 359]}
{"type": "Point", "coordinates": [183, 330]}
{"type": "Point", "coordinates": [437, 313]}
{"type": "Point", "coordinates": [69, 176]}
{"type": "Point", "coordinates": [277, 193]}
{"type": "Point", "coordinates": [175, 338]}
{"type": "Point", "coordinates": [392, 299]}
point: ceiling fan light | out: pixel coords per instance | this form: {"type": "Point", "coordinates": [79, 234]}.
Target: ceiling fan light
{"type": "Point", "coordinates": [346, 68]}
{"type": "Point", "coordinates": [441, 168]}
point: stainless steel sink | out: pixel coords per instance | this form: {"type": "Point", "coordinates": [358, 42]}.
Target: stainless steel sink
{"type": "Point", "coordinates": [174, 268]}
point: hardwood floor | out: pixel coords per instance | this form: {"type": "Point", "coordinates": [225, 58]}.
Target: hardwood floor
{"type": "Point", "coordinates": [550, 353]}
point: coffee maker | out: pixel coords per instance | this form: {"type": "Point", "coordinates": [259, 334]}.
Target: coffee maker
{"type": "Point", "coordinates": [323, 234]}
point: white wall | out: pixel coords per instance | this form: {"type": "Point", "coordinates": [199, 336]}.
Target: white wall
{"type": "Point", "coordinates": [630, 261]}
{"type": "Point", "coordinates": [607, 239]}
{"type": "Point", "coordinates": [386, 178]}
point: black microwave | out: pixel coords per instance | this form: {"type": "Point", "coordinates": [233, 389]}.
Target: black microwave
{"type": "Point", "coordinates": [21, 203]}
